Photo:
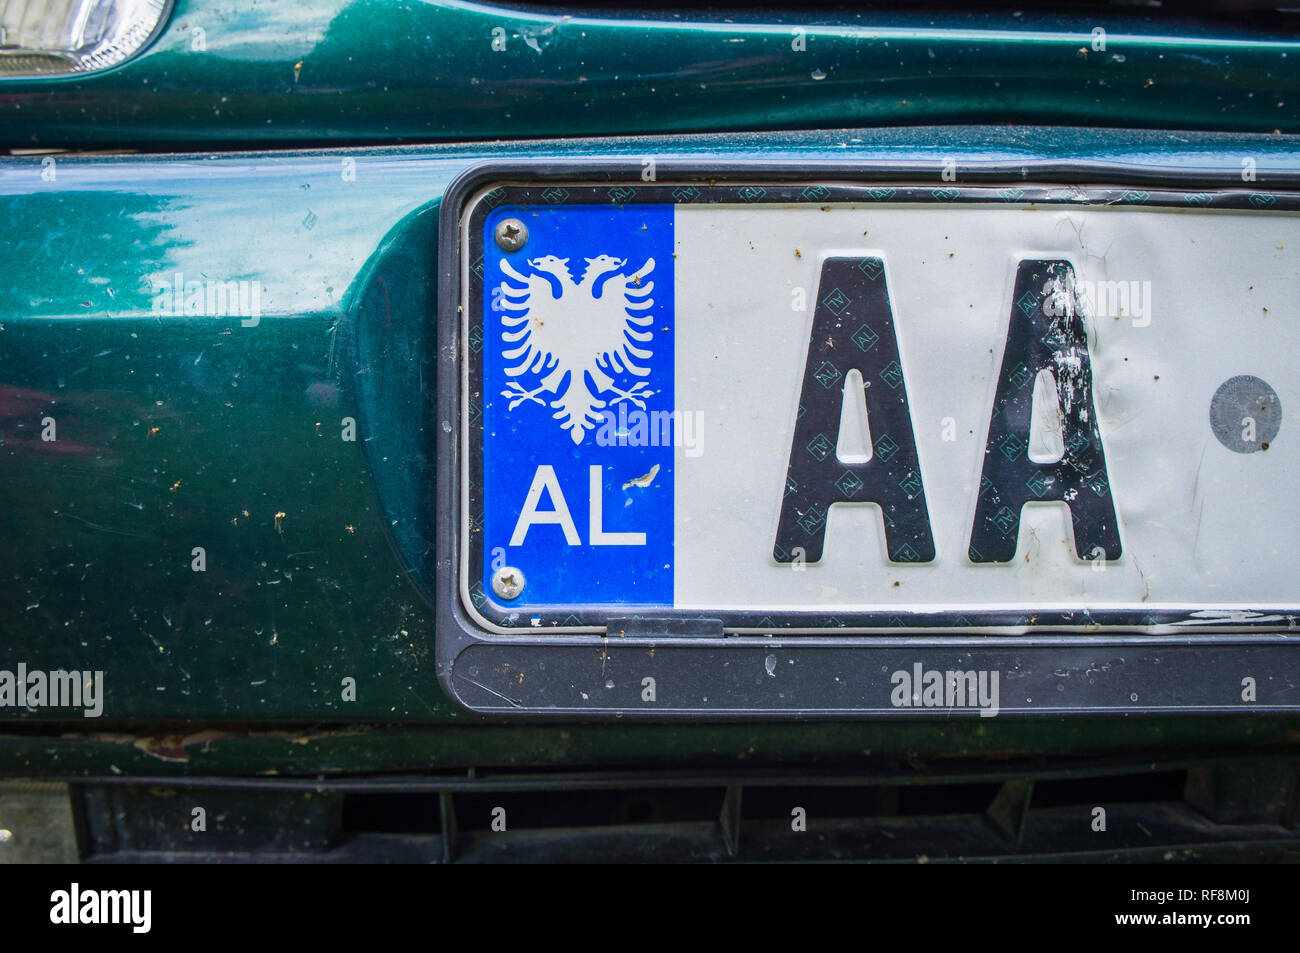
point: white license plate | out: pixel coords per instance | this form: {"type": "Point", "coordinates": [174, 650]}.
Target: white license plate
{"type": "Point", "coordinates": [808, 408]}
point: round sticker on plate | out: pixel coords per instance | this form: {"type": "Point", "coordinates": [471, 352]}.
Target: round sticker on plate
{"type": "Point", "coordinates": [1245, 414]}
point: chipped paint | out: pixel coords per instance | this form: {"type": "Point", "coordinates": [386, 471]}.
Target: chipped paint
{"type": "Point", "coordinates": [644, 480]}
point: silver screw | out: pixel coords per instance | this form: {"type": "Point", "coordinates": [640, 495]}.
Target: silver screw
{"type": "Point", "coordinates": [511, 234]}
{"type": "Point", "coordinates": [508, 582]}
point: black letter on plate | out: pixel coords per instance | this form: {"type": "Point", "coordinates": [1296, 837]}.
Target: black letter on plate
{"type": "Point", "coordinates": [1046, 332]}
{"type": "Point", "coordinates": [853, 329]}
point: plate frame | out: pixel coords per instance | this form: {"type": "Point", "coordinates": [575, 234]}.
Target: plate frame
{"type": "Point", "coordinates": [487, 667]}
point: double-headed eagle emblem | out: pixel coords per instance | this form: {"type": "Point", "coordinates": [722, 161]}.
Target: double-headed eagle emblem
{"type": "Point", "coordinates": [575, 339]}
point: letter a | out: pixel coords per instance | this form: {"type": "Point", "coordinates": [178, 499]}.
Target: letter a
{"type": "Point", "coordinates": [853, 329]}
{"type": "Point", "coordinates": [545, 479]}
{"type": "Point", "coordinates": [1046, 333]}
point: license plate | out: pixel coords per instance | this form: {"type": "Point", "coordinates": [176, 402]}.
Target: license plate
{"type": "Point", "coordinates": [840, 409]}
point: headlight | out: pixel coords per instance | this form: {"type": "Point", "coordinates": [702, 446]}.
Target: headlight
{"type": "Point", "coordinates": [57, 37]}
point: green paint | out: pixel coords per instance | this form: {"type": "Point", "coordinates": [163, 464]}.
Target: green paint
{"type": "Point", "coordinates": [178, 431]}
{"type": "Point", "coordinates": [373, 71]}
